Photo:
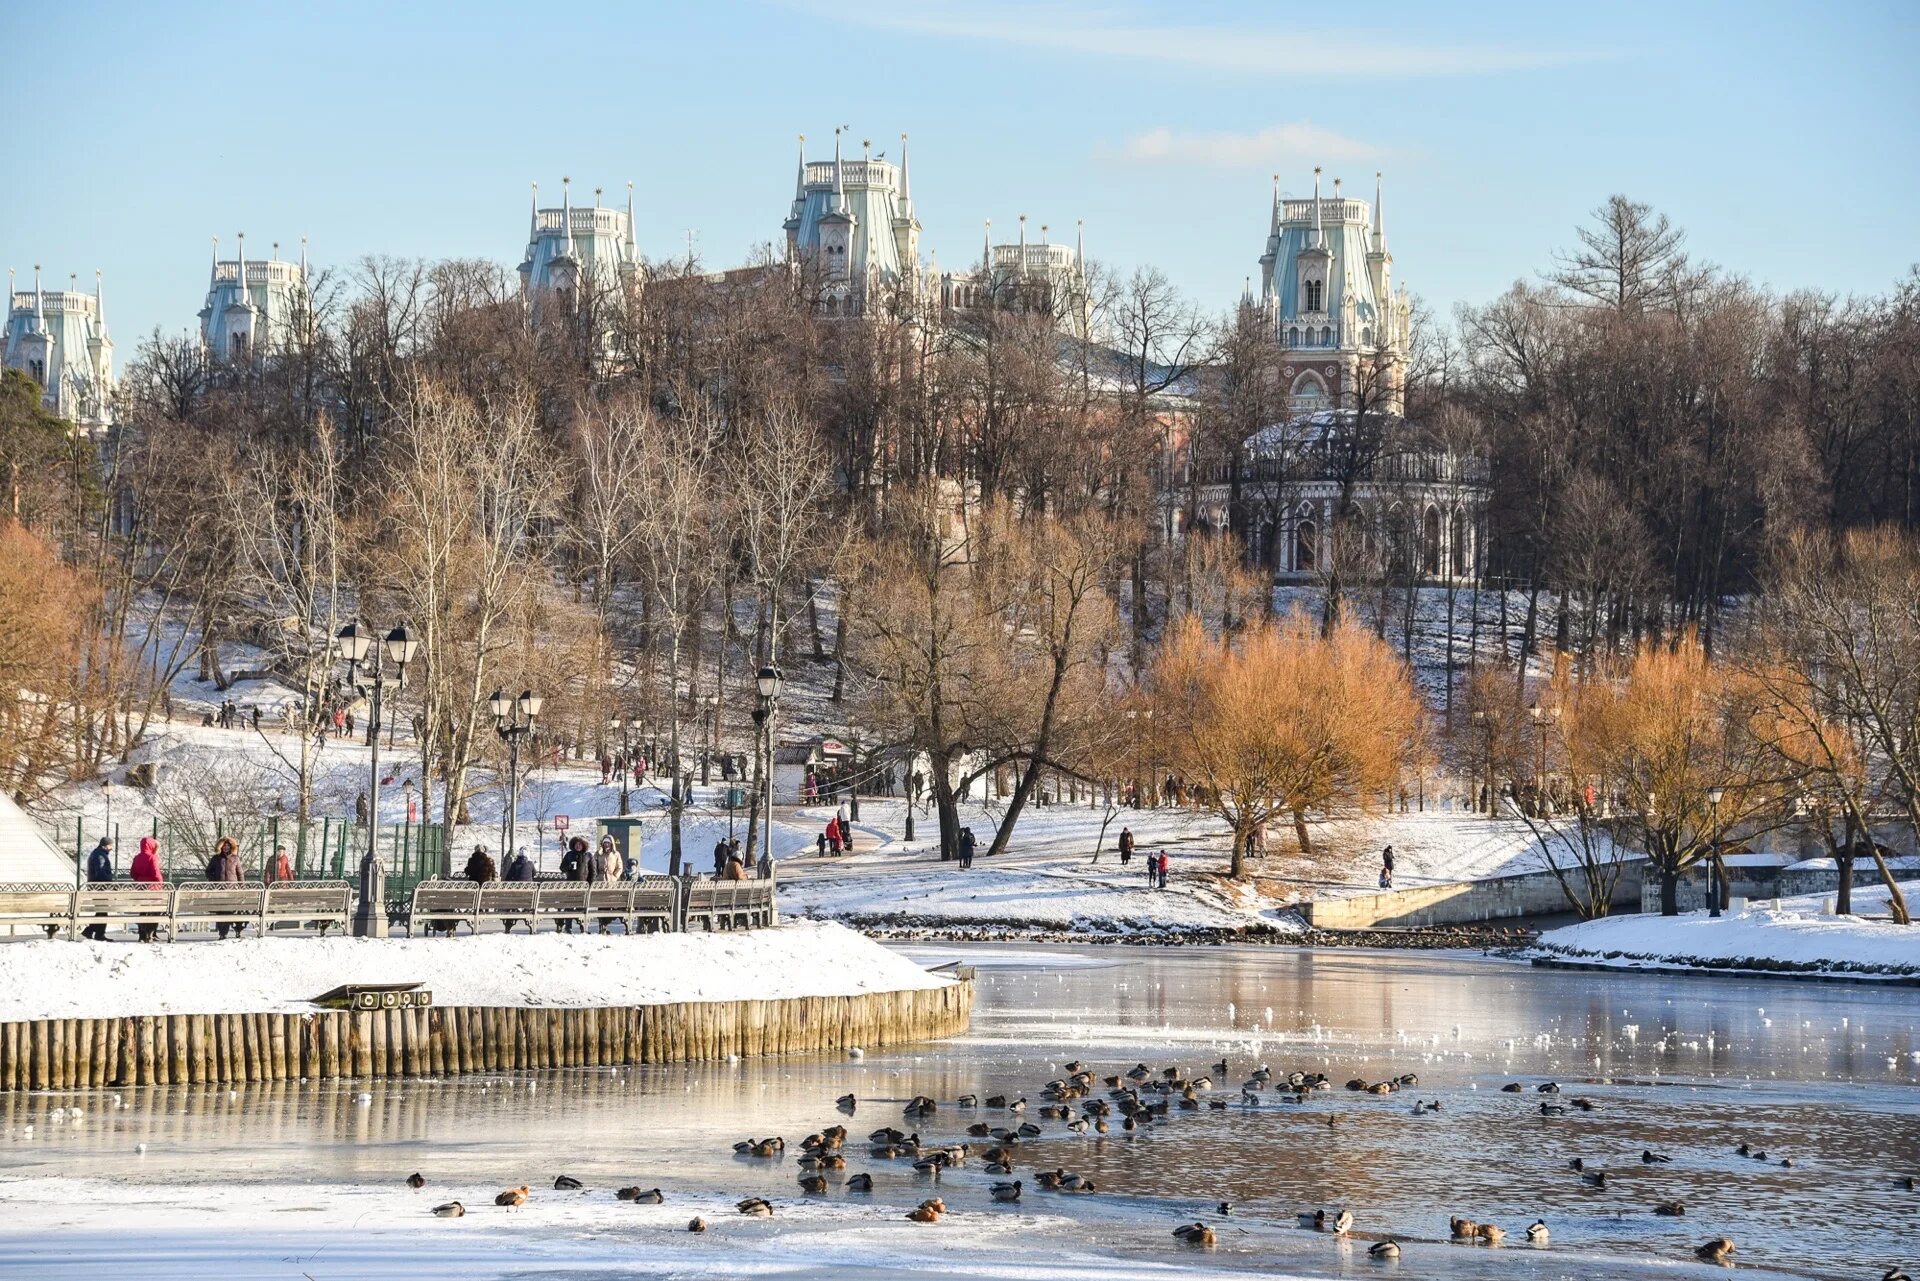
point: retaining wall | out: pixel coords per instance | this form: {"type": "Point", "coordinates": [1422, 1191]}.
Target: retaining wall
{"type": "Point", "coordinates": [181, 1049]}
{"type": "Point", "coordinates": [1462, 902]}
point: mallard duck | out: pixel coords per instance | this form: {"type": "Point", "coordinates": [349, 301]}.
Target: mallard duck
{"type": "Point", "coordinates": [767, 1149]}
{"type": "Point", "coordinates": [1006, 1191]}
{"type": "Point", "coordinates": [1513, 1087]}
{"type": "Point", "coordinates": [1388, 1249]}
{"type": "Point", "coordinates": [812, 1184]}
{"type": "Point", "coordinates": [513, 1196]}
{"type": "Point", "coordinates": [1491, 1233]}
{"type": "Point", "coordinates": [1049, 1180]}
{"type": "Point", "coordinates": [451, 1210]}
{"type": "Point", "coordinates": [1381, 1087]}
{"type": "Point", "coordinates": [1463, 1229]}
{"type": "Point", "coordinates": [416, 1181]}
{"type": "Point", "coordinates": [1895, 1274]}
{"type": "Point", "coordinates": [1743, 1150]}
{"type": "Point", "coordinates": [1357, 1084]}
{"type": "Point", "coordinates": [1343, 1223]}
{"type": "Point", "coordinates": [996, 1100]}
{"type": "Point", "coordinates": [1548, 1087]}
{"type": "Point", "coordinates": [1028, 1130]}
{"type": "Point", "coordinates": [1650, 1157]}
{"type": "Point", "coordinates": [647, 1196]}
{"type": "Point", "coordinates": [1786, 1163]}
{"type": "Point", "coordinates": [860, 1183]}
{"type": "Point", "coordinates": [1595, 1178]}
{"type": "Point", "coordinates": [1670, 1209]}
{"type": "Point", "coordinates": [1224, 1209]}
{"type": "Point", "coordinates": [697, 1224]}
{"type": "Point", "coordinates": [1552, 1109]}
{"type": "Point", "coordinates": [1578, 1163]}
{"type": "Point", "coordinates": [1317, 1220]}
{"type": "Point", "coordinates": [887, 1134]}
{"type": "Point", "coordinates": [927, 1212]}
{"type": "Point", "coordinates": [1537, 1232]}
{"type": "Point", "coordinates": [1219, 1069]}
{"type": "Point", "coordinates": [1194, 1234]}
{"type": "Point", "coordinates": [980, 1129]}
{"type": "Point", "coordinates": [967, 1101]}
{"type": "Point", "coordinates": [846, 1103]}
{"type": "Point", "coordinates": [1585, 1105]}
{"type": "Point", "coordinates": [755, 1207]}
{"type": "Point", "coordinates": [1017, 1106]}
{"type": "Point", "coordinates": [1410, 1078]}
{"type": "Point", "coordinates": [1139, 1072]}
{"type": "Point", "coordinates": [1716, 1250]}
{"type": "Point", "coordinates": [567, 1183]}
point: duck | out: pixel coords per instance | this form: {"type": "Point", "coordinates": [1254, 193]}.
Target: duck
{"type": "Point", "coordinates": [1139, 1072]}
{"type": "Point", "coordinates": [647, 1196]}
{"type": "Point", "coordinates": [1018, 1105]}
{"type": "Point", "coordinates": [1552, 1109]}
{"type": "Point", "coordinates": [813, 1185]}
{"type": "Point", "coordinates": [847, 1103]}
{"type": "Point", "coordinates": [1343, 1223]}
{"type": "Point", "coordinates": [1076, 1183]}
{"type": "Point", "coordinates": [696, 1224]}
{"type": "Point", "coordinates": [1194, 1234]}
{"type": "Point", "coordinates": [1028, 1130]}
{"type": "Point", "coordinates": [1596, 1178]}
{"type": "Point", "coordinates": [1219, 1069]}
{"type": "Point", "coordinates": [1578, 1163]}
{"type": "Point", "coordinates": [1786, 1163]}
{"type": "Point", "coordinates": [980, 1130]}
{"type": "Point", "coordinates": [1049, 1180]}
{"type": "Point", "coordinates": [1357, 1084]}
{"type": "Point", "coordinates": [1716, 1250]}
{"type": "Point", "coordinates": [1492, 1234]}
{"type": "Point", "coordinates": [1650, 1157]}
{"type": "Point", "coordinates": [1409, 1078]}
{"type": "Point", "coordinates": [1224, 1209]}
{"type": "Point", "coordinates": [826, 1161]}
{"type": "Point", "coordinates": [887, 1134]}
{"type": "Point", "coordinates": [1912, 1183]}
{"type": "Point", "coordinates": [513, 1196]}
{"type": "Point", "coordinates": [1512, 1087]}
{"type": "Point", "coordinates": [967, 1101]}
{"type": "Point", "coordinates": [1317, 1220]}
{"type": "Point", "coordinates": [1548, 1087]}
{"type": "Point", "coordinates": [1895, 1274]}
{"type": "Point", "coordinates": [755, 1207]}
{"type": "Point", "coordinates": [567, 1183]}
{"type": "Point", "coordinates": [1388, 1249]}
{"type": "Point", "coordinates": [928, 1211]}
{"type": "Point", "coordinates": [860, 1183]}
{"type": "Point", "coordinates": [921, 1105]}
{"type": "Point", "coordinates": [451, 1210]}
{"type": "Point", "coordinates": [1005, 1191]}
{"type": "Point", "coordinates": [1585, 1105]}
{"type": "Point", "coordinates": [1671, 1209]}
{"type": "Point", "coordinates": [1537, 1232]}
{"type": "Point", "coordinates": [1463, 1229]}
{"type": "Point", "coordinates": [767, 1149]}
{"type": "Point", "coordinates": [996, 1100]}
{"type": "Point", "coordinates": [416, 1181]}
{"type": "Point", "coordinates": [1743, 1150]}
{"type": "Point", "coordinates": [1382, 1087]}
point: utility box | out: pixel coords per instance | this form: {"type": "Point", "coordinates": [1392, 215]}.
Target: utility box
{"type": "Point", "coordinates": [625, 832]}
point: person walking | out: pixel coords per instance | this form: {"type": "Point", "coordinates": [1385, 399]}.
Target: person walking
{"type": "Point", "coordinates": [224, 868]}
{"type": "Point", "coordinates": [279, 867]}
{"type": "Point", "coordinates": [360, 809]}
{"type": "Point", "coordinates": [721, 850]}
{"type": "Point", "coordinates": [833, 835]}
{"type": "Point", "coordinates": [1153, 866]}
{"type": "Point", "coordinates": [99, 872]}
{"type": "Point", "coordinates": [146, 871]}
{"type": "Point", "coordinates": [846, 827]}
{"type": "Point", "coordinates": [1126, 847]}
{"type": "Point", "coordinates": [819, 838]}
{"type": "Point", "coordinates": [967, 845]}
{"type": "Point", "coordinates": [1386, 868]}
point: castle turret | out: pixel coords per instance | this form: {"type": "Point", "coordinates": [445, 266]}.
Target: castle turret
{"type": "Point", "coordinates": [571, 250]}
{"type": "Point", "coordinates": [254, 308]}
{"type": "Point", "coordinates": [59, 339]}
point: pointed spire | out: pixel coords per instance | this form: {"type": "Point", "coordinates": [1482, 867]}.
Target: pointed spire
{"type": "Point", "coordinates": [1274, 228]}
{"type": "Point", "coordinates": [533, 219]}
{"type": "Point", "coordinates": [98, 301]}
{"type": "Point", "coordinates": [216, 254]}
{"type": "Point", "coordinates": [1246, 291]}
{"type": "Point", "coordinates": [566, 217]}
{"type": "Point", "coordinates": [800, 173]}
{"type": "Point", "coordinates": [986, 252]}
{"type": "Point", "coordinates": [1379, 216]}
{"type": "Point", "coordinates": [1080, 242]}
{"type": "Point", "coordinates": [241, 274]}
{"type": "Point", "coordinates": [631, 242]}
{"type": "Point", "coordinates": [1020, 263]}
{"type": "Point", "coordinates": [906, 186]}
{"type": "Point", "coordinates": [1316, 206]}
{"type": "Point", "coordinates": [839, 186]}
{"type": "Point", "coordinates": [38, 313]}
{"type": "Point", "coordinates": [303, 259]}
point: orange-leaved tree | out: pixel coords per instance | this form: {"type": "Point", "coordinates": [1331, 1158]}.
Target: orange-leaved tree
{"type": "Point", "coordinates": [1282, 718]}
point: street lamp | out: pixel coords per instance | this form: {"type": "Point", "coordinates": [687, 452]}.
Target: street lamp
{"type": "Point", "coordinates": [513, 720]}
{"type": "Point", "coordinates": [358, 651]}
{"type": "Point", "coordinates": [706, 743]}
{"type": "Point", "coordinates": [767, 683]}
{"type": "Point", "coordinates": [624, 724]}
{"type": "Point", "coordinates": [1714, 796]}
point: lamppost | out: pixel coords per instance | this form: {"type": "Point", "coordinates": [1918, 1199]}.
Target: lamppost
{"type": "Point", "coordinates": [1485, 720]}
{"type": "Point", "coordinates": [706, 742]}
{"type": "Point", "coordinates": [768, 684]}
{"type": "Point", "coordinates": [624, 726]}
{"type": "Point", "coordinates": [354, 649]}
{"type": "Point", "coordinates": [512, 721]}
{"type": "Point", "coordinates": [1541, 717]}
{"type": "Point", "coordinates": [1714, 796]}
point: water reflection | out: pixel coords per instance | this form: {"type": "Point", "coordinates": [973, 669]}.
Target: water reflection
{"type": "Point", "coordinates": [1823, 1075]}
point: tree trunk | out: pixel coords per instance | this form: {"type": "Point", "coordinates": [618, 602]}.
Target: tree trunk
{"type": "Point", "coordinates": [1669, 892]}
{"type": "Point", "coordinates": [1300, 832]}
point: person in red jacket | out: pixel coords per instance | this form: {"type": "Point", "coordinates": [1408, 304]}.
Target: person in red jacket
{"type": "Point", "coordinates": [146, 871]}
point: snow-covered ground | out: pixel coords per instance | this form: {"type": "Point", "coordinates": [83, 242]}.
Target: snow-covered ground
{"type": "Point", "coordinates": [1794, 937]}
{"type": "Point", "coordinates": [61, 979]}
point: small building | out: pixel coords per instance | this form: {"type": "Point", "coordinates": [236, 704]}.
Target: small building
{"type": "Point", "coordinates": [806, 772]}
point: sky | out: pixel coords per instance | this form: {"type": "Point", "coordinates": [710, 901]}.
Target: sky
{"type": "Point", "coordinates": [1785, 139]}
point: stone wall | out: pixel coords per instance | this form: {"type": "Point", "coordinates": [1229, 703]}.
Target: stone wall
{"type": "Point", "coordinates": [1461, 902]}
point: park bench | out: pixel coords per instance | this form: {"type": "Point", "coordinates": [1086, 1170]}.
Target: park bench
{"type": "Point", "coordinates": [444, 905]}
{"type": "Point", "coordinates": [321, 903]}
{"type": "Point", "coordinates": [509, 902]}
{"type": "Point", "coordinates": [121, 903]}
{"type": "Point", "coordinates": [213, 903]}
{"type": "Point", "coordinates": [41, 904]}
{"type": "Point", "coordinates": [726, 905]}
{"type": "Point", "coordinates": [563, 901]}
{"type": "Point", "coordinates": [655, 904]}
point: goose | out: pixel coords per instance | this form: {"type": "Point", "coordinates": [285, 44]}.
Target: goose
{"type": "Point", "coordinates": [1716, 1250]}
{"type": "Point", "coordinates": [648, 1196]}
{"type": "Point", "coordinates": [1343, 1223]}
{"type": "Point", "coordinates": [847, 1103]}
{"type": "Point", "coordinates": [1317, 1220]}
{"type": "Point", "coordinates": [1537, 1232]}
{"type": "Point", "coordinates": [1006, 1191]}
{"type": "Point", "coordinates": [1650, 1157]}
{"type": "Point", "coordinates": [1492, 1234]}
{"type": "Point", "coordinates": [416, 1181]}
{"type": "Point", "coordinates": [755, 1207]}
{"type": "Point", "coordinates": [696, 1224]}
{"type": "Point", "coordinates": [451, 1210]}
{"type": "Point", "coordinates": [1194, 1234]}
{"type": "Point", "coordinates": [813, 1185]}
{"type": "Point", "coordinates": [512, 1196]}
{"type": "Point", "coordinates": [1463, 1229]}
{"type": "Point", "coordinates": [860, 1183]}
{"type": "Point", "coordinates": [1388, 1249]}
{"type": "Point", "coordinates": [1671, 1209]}
{"type": "Point", "coordinates": [567, 1183]}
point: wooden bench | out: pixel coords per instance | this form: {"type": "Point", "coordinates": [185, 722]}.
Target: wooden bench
{"type": "Point", "coordinates": [509, 902]}
{"type": "Point", "coordinates": [122, 903]}
{"type": "Point", "coordinates": [447, 905]}
{"type": "Point", "coordinates": [207, 903]}
{"type": "Point", "coordinates": [564, 901]}
{"type": "Point", "coordinates": [321, 903]}
{"type": "Point", "coordinates": [655, 904]}
{"type": "Point", "coordinates": [726, 905]}
{"type": "Point", "coordinates": [45, 905]}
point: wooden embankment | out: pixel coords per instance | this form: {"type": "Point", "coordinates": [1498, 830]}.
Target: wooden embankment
{"type": "Point", "coordinates": [182, 1049]}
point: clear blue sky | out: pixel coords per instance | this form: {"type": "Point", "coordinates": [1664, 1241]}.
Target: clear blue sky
{"type": "Point", "coordinates": [1783, 138]}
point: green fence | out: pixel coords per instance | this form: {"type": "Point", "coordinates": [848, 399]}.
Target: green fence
{"type": "Point", "coordinates": [323, 849]}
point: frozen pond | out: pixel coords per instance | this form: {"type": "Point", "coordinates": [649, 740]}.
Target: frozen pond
{"type": "Point", "coordinates": [292, 1181]}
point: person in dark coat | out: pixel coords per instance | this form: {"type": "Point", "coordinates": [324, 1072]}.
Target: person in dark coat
{"type": "Point", "coordinates": [480, 866]}
{"type": "Point", "coordinates": [519, 869]}
{"type": "Point", "coordinates": [99, 871]}
{"type": "Point", "coordinates": [720, 852]}
{"type": "Point", "coordinates": [1126, 846]}
{"type": "Point", "coordinates": [967, 844]}
{"type": "Point", "coordinates": [575, 865]}
{"type": "Point", "coordinates": [224, 867]}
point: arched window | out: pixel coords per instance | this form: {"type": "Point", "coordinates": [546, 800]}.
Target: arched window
{"type": "Point", "coordinates": [1309, 394]}
{"type": "Point", "coordinates": [1459, 566]}
{"type": "Point", "coordinates": [1293, 337]}
{"type": "Point", "coordinates": [1313, 295]}
{"type": "Point", "coordinates": [1430, 543]}
{"type": "Point", "coordinates": [1305, 544]}
{"type": "Point", "coordinates": [1326, 336]}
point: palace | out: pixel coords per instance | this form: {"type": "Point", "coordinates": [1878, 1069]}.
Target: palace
{"type": "Point", "coordinates": [578, 252]}
{"type": "Point", "coordinates": [59, 339]}
{"type": "Point", "coordinates": [254, 308]}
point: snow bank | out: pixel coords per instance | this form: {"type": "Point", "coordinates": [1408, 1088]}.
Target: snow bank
{"type": "Point", "coordinates": [60, 979]}
{"type": "Point", "coordinates": [1794, 937]}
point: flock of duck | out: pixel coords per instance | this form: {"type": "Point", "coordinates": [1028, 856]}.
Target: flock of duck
{"type": "Point", "coordinates": [1083, 1101]}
